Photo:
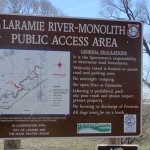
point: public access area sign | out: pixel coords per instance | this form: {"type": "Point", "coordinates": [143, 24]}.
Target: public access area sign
{"type": "Point", "coordinates": [117, 147]}
{"type": "Point", "coordinates": [69, 77]}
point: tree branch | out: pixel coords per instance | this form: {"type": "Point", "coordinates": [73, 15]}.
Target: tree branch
{"type": "Point", "coordinates": [146, 83]}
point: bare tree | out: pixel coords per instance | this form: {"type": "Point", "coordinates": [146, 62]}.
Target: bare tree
{"type": "Point", "coordinates": [2, 5]}
{"type": "Point", "coordinates": [15, 6]}
{"type": "Point", "coordinates": [29, 7]}
{"type": "Point", "coordinates": [35, 7]}
{"type": "Point", "coordinates": [41, 7]}
{"type": "Point", "coordinates": [131, 10]}
{"type": "Point", "coordinates": [128, 9]}
{"type": "Point", "coordinates": [46, 7]}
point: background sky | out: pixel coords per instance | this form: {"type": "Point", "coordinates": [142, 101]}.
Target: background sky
{"type": "Point", "coordinates": [78, 8]}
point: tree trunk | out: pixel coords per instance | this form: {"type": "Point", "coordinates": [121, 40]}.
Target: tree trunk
{"type": "Point", "coordinates": [12, 144]}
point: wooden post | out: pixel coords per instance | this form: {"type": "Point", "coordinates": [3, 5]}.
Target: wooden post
{"type": "Point", "coordinates": [12, 144]}
{"type": "Point", "coordinates": [113, 141]}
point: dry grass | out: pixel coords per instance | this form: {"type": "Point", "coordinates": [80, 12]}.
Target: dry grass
{"type": "Point", "coordinates": [58, 144]}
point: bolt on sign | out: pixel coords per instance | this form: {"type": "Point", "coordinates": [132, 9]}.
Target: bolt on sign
{"type": "Point", "coordinates": [117, 147]}
{"type": "Point", "coordinates": [69, 77]}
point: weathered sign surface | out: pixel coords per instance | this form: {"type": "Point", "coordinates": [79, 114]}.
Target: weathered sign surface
{"type": "Point", "coordinates": [68, 77]}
